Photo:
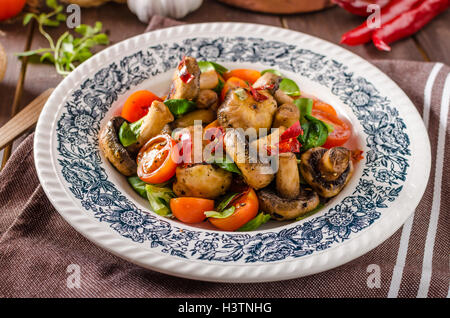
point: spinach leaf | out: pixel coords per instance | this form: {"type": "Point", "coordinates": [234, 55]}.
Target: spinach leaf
{"type": "Point", "coordinates": [159, 199]}
{"type": "Point", "coordinates": [315, 133]}
{"type": "Point", "coordinates": [305, 107]}
{"type": "Point", "coordinates": [221, 215]}
{"type": "Point", "coordinates": [256, 222]}
{"type": "Point", "coordinates": [179, 107]}
{"type": "Point", "coordinates": [225, 201]}
{"type": "Point", "coordinates": [206, 66]}
{"type": "Point", "coordinates": [289, 87]}
{"type": "Point", "coordinates": [271, 71]}
{"type": "Point", "coordinates": [138, 185]}
{"type": "Point", "coordinates": [129, 133]}
{"type": "Point", "coordinates": [226, 164]}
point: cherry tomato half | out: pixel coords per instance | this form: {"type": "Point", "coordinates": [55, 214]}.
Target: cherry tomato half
{"type": "Point", "coordinates": [157, 160]}
{"type": "Point", "coordinates": [231, 83]}
{"type": "Point", "coordinates": [137, 105]}
{"type": "Point", "coordinates": [248, 75]}
{"type": "Point", "coordinates": [246, 209]}
{"type": "Point", "coordinates": [190, 210]}
{"type": "Point", "coordinates": [341, 132]}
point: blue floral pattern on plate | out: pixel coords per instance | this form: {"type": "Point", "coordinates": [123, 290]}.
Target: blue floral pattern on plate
{"type": "Point", "coordinates": [384, 170]}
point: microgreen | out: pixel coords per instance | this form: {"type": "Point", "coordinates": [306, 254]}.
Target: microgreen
{"type": "Point", "coordinates": [68, 51]}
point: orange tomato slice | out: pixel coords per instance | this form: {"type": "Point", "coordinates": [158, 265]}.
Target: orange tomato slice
{"type": "Point", "coordinates": [248, 75]}
{"type": "Point", "coordinates": [327, 108]}
{"type": "Point", "coordinates": [231, 83]}
{"type": "Point", "coordinates": [137, 105]}
{"type": "Point", "coordinates": [191, 210]}
{"type": "Point", "coordinates": [246, 208]}
{"type": "Point", "coordinates": [341, 132]}
{"type": "Point", "coordinates": [157, 160]}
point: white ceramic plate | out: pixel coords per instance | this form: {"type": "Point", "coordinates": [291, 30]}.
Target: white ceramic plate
{"type": "Point", "coordinates": [97, 201]}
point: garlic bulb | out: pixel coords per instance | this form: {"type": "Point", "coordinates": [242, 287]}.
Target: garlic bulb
{"type": "Point", "coordinates": [177, 9]}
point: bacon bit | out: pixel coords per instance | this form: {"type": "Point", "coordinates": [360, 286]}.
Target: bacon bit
{"type": "Point", "coordinates": [292, 132]}
{"type": "Point", "coordinates": [257, 95]}
{"type": "Point", "coordinates": [183, 72]}
{"type": "Point", "coordinates": [357, 155]}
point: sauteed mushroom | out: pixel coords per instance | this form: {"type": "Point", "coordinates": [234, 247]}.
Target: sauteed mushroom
{"type": "Point", "coordinates": [286, 115]}
{"type": "Point", "coordinates": [241, 110]}
{"type": "Point", "coordinates": [201, 180]}
{"type": "Point", "coordinates": [189, 88]}
{"type": "Point", "coordinates": [113, 150]}
{"type": "Point", "coordinates": [327, 171]}
{"type": "Point", "coordinates": [207, 98]}
{"type": "Point", "coordinates": [255, 173]}
{"type": "Point", "coordinates": [282, 209]}
{"type": "Point", "coordinates": [267, 80]}
{"type": "Point", "coordinates": [288, 177]}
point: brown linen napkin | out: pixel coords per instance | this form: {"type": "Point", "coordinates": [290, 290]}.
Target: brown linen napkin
{"type": "Point", "coordinates": [38, 248]}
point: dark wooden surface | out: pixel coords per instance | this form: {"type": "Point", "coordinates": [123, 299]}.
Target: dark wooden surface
{"type": "Point", "coordinates": [430, 44]}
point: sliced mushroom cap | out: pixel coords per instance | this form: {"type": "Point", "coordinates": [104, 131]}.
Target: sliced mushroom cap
{"type": "Point", "coordinates": [310, 168]}
{"type": "Point", "coordinates": [334, 162]}
{"type": "Point", "coordinates": [113, 150]}
{"type": "Point", "coordinates": [282, 98]}
{"type": "Point", "coordinates": [283, 209]}
{"type": "Point", "coordinates": [179, 89]}
{"type": "Point", "coordinates": [286, 115]}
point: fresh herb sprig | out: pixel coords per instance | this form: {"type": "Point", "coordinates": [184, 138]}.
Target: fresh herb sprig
{"type": "Point", "coordinates": [67, 52]}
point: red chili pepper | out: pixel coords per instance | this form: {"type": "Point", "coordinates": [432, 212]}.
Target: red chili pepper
{"type": "Point", "coordinates": [363, 33]}
{"type": "Point", "coordinates": [359, 7]}
{"type": "Point", "coordinates": [408, 23]}
{"type": "Point", "coordinates": [292, 132]}
{"type": "Point", "coordinates": [257, 95]}
{"type": "Point", "coordinates": [183, 72]}
{"type": "Point", "coordinates": [286, 145]}
{"type": "Point", "coordinates": [357, 155]}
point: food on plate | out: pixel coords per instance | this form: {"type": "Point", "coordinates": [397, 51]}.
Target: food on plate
{"type": "Point", "coordinates": [233, 147]}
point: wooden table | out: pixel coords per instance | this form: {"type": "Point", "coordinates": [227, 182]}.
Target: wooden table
{"type": "Point", "coordinates": [23, 82]}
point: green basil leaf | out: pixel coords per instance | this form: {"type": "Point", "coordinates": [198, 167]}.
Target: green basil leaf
{"type": "Point", "coordinates": [305, 106]}
{"type": "Point", "coordinates": [308, 214]}
{"type": "Point", "coordinates": [220, 215]}
{"type": "Point", "coordinates": [206, 66]}
{"type": "Point", "coordinates": [225, 201]}
{"type": "Point", "coordinates": [179, 107]}
{"type": "Point", "coordinates": [51, 4]}
{"type": "Point", "coordinates": [159, 199]}
{"type": "Point", "coordinates": [271, 71]}
{"type": "Point", "coordinates": [317, 133]}
{"type": "Point", "coordinates": [254, 223]}
{"type": "Point", "coordinates": [129, 133]}
{"type": "Point", "coordinates": [226, 164]}
{"type": "Point", "coordinates": [219, 87]}
{"type": "Point", "coordinates": [289, 87]}
{"type": "Point", "coordinates": [27, 18]}
{"type": "Point", "coordinates": [138, 185]}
